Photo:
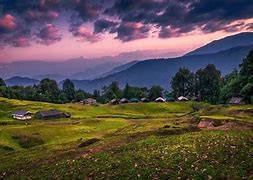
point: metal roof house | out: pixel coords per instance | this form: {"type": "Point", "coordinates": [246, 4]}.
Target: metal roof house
{"type": "Point", "coordinates": [90, 101]}
{"type": "Point", "coordinates": [22, 115]}
{"type": "Point", "coordinates": [134, 100]}
{"type": "Point", "coordinates": [236, 100]}
{"type": "Point", "coordinates": [124, 101]}
{"type": "Point", "coordinates": [144, 99]}
{"type": "Point", "coordinates": [160, 99]}
{"type": "Point", "coordinates": [52, 114]}
{"type": "Point", "coordinates": [182, 98]}
{"type": "Point", "coordinates": [114, 102]}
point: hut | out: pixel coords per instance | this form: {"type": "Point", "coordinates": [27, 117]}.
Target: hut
{"type": "Point", "coordinates": [124, 101]}
{"type": "Point", "coordinates": [90, 101]}
{"type": "Point", "coordinates": [160, 99]}
{"type": "Point", "coordinates": [114, 102]}
{"type": "Point", "coordinates": [22, 115]}
{"type": "Point", "coordinates": [236, 101]}
{"type": "Point", "coordinates": [182, 98]}
{"type": "Point", "coordinates": [170, 99]}
{"type": "Point", "coordinates": [134, 100]}
{"type": "Point", "coordinates": [144, 100]}
{"type": "Point", "coordinates": [52, 114]}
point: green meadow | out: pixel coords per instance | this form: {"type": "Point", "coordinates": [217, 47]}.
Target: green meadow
{"type": "Point", "coordinates": [126, 141]}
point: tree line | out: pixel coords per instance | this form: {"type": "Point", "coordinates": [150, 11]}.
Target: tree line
{"type": "Point", "coordinates": [48, 91]}
{"type": "Point", "coordinates": [206, 84]}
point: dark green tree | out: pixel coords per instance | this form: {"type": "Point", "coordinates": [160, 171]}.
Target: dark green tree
{"type": "Point", "coordinates": [96, 94]}
{"type": "Point", "coordinates": [112, 91]}
{"type": "Point", "coordinates": [246, 76]}
{"type": "Point", "coordinates": [183, 83]}
{"type": "Point", "coordinates": [208, 84]}
{"type": "Point", "coordinates": [155, 92]}
{"type": "Point", "coordinates": [69, 89]}
{"type": "Point", "coordinates": [2, 82]}
{"type": "Point", "coordinates": [48, 90]}
{"type": "Point", "coordinates": [230, 86]}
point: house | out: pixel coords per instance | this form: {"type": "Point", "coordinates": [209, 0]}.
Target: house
{"type": "Point", "coordinates": [22, 115]}
{"type": "Point", "coordinates": [160, 99]}
{"type": "Point", "coordinates": [236, 100]}
{"type": "Point", "coordinates": [134, 100]}
{"type": "Point", "coordinates": [51, 114]}
{"type": "Point", "coordinates": [170, 99]}
{"type": "Point", "coordinates": [124, 101]}
{"type": "Point", "coordinates": [114, 102]}
{"type": "Point", "coordinates": [144, 99]}
{"type": "Point", "coordinates": [182, 98]}
{"type": "Point", "coordinates": [90, 101]}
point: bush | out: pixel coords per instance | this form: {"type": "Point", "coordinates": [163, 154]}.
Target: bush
{"type": "Point", "coordinates": [29, 141]}
{"type": "Point", "coordinates": [88, 142]}
{"type": "Point", "coordinates": [6, 148]}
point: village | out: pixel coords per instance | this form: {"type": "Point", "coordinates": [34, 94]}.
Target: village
{"type": "Point", "coordinates": [25, 115]}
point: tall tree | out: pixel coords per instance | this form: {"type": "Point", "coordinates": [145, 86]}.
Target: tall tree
{"type": "Point", "coordinates": [208, 83]}
{"type": "Point", "coordinates": [230, 86]}
{"type": "Point", "coordinates": [113, 91]}
{"type": "Point", "coordinates": [48, 90]}
{"type": "Point", "coordinates": [69, 89]}
{"type": "Point", "coordinates": [155, 92]}
{"type": "Point", "coordinates": [2, 83]}
{"type": "Point", "coordinates": [246, 74]}
{"type": "Point", "coordinates": [183, 83]}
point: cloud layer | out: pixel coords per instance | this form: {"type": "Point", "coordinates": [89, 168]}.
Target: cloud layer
{"type": "Point", "coordinates": [23, 22]}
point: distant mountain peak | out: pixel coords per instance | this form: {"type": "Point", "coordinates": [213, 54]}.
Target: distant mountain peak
{"type": "Point", "coordinates": [241, 39]}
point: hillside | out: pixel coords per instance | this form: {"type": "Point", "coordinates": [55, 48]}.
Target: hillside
{"type": "Point", "coordinates": [145, 140]}
{"type": "Point", "coordinates": [21, 81]}
{"type": "Point", "coordinates": [118, 69]}
{"type": "Point", "coordinates": [242, 39]}
{"type": "Point", "coordinates": [160, 71]}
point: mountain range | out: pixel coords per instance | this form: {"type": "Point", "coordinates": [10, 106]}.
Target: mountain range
{"type": "Point", "coordinates": [226, 53]}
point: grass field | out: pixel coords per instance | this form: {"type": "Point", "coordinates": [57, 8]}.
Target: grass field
{"type": "Point", "coordinates": [128, 141]}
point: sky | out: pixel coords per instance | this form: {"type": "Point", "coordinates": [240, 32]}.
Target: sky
{"type": "Point", "coordinates": [58, 30]}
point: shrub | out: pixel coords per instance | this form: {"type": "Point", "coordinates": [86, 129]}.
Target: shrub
{"type": "Point", "coordinates": [88, 142]}
{"type": "Point", "coordinates": [28, 141]}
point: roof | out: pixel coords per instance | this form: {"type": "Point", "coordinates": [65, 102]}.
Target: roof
{"type": "Point", "coordinates": [160, 99]}
{"type": "Point", "coordinates": [236, 100]}
{"type": "Point", "coordinates": [51, 112]}
{"type": "Point", "coordinates": [170, 99]}
{"type": "Point", "coordinates": [123, 100]}
{"type": "Point", "coordinates": [21, 112]}
{"type": "Point", "coordinates": [90, 99]}
{"type": "Point", "coordinates": [134, 100]}
{"type": "Point", "coordinates": [182, 98]}
{"type": "Point", "coordinates": [144, 99]}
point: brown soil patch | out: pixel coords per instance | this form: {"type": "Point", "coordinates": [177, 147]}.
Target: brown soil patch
{"type": "Point", "coordinates": [223, 125]}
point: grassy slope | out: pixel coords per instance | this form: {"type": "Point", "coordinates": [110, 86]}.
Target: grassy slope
{"type": "Point", "coordinates": [130, 145]}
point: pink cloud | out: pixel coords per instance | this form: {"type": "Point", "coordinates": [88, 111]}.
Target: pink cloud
{"type": "Point", "coordinates": [86, 35]}
{"type": "Point", "coordinates": [48, 35]}
{"type": "Point", "coordinates": [8, 23]}
{"type": "Point", "coordinates": [41, 16]}
{"type": "Point", "coordinates": [21, 42]}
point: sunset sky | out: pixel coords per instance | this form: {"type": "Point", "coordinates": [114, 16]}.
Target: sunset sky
{"type": "Point", "coordinates": [64, 29]}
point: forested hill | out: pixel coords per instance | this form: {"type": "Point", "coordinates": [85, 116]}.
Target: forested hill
{"type": "Point", "coordinates": [160, 71]}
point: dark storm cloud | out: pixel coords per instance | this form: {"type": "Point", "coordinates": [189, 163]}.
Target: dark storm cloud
{"type": "Point", "coordinates": [178, 17]}
{"type": "Point", "coordinates": [127, 19]}
{"type": "Point", "coordinates": [129, 31]}
{"type": "Point", "coordinates": [103, 25]}
{"type": "Point", "coordinates": [48, 35]}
